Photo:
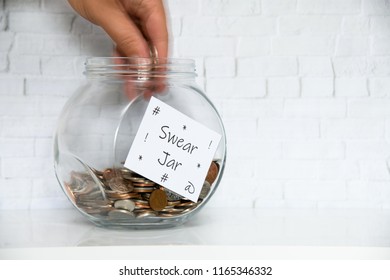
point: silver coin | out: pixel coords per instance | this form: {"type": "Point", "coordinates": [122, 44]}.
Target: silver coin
{"type": "Point", "coordinates": [121, 214]}
{"type": "Point", "coordinates": [117, 184]}
{"type": "Point", "coordinates": [205, 190]}
{"type": "Point", "coordinates": [144, 213]}
{"type": "Point", "coordinates": [171, 195]}
{"type": "Point", "coordinates": [125, 204]}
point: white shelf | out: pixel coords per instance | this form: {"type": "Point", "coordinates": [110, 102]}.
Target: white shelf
{"type": "Point", "coordinates": [248, 232]}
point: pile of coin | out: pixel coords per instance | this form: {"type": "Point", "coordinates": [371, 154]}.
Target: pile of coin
{"type": "Point", "coordinates": [122, 194]}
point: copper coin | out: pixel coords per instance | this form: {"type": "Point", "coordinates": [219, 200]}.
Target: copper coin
{"type": "Point", "coordinates": [108, 174]}
{"type": "Point", "coordinates": [158, 200]}
{"type": "Point", "coordinates": [212, 174]}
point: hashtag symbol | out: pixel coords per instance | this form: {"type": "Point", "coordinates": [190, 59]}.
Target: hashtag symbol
{"type": "Point", "coordinates": [164, 177]}
{"type": "Point", "coordinates": [156, 110]}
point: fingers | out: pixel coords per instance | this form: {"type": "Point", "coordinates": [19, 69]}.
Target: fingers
{"type": "Point", "coordinates": [123, 31]}
{"type": "Point", "coordinates": [152, 20]}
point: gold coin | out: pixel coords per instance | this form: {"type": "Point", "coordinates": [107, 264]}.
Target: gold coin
{"type": "Point", "coordinates": [212, 174]}
{"type": "Point", "coordinates": [158, 200]}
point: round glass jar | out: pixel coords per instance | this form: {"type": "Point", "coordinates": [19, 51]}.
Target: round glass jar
{"type": "Point", "coordinates": [98, 126]}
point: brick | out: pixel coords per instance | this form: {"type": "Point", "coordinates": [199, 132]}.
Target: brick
{"type": "Point", "coordinates": [47, 44]}
{"type": "Point", "coordinates": [254, 148]}
{"type": "Point", "coordinates": [379, 66]}
{"type": "Point", "coordinates": [329, 6]}
{"type": "Point", "coordinates": [288, 128]}
{"type": "Point", "coordinates": [25, 64]}
{"type": "Point", "coordinates": [220, 67]}
{"type": "Point", "coordinates": [246, 26]}
{"type": "Point", "coordinates": [380, 45]}
{"type": "Point", "coordinates": [278, 7]}
{"type": "Point", "coordinates": [309, 25]}
{"type": "Point", "coordinates": [39, 22]}
{"type": "Point", "coordinates": [368, 191]}
{"type": "Point", "coordinates": [350, 66]}
{"type": "Point", "coordinates": [376, 7]}
{"type": "Point", "coordinates": [315, 108]}
{"type": "Point", "coordinates": [3, 62]}
{"type": "Point", "coordinates": [256, 108]}
{"type": "Point", "coordinates": [363, 149]}
{"type": "Point", "coordinates": [303, 45]}
{"type": "Point", "coordinates": [198, 46]}
{"type": "Point", "coordinates": [19, 106]}
{"type": "Point", "coordinates": [236, 87]}
{"type": "Point", "coordinates": [97, 45]}
{"type": "Point", "coordinates": [6, 41]}
{"type": "Point", "coordinates": [15, 188]}
{"type": "Point", "coordinates": [21, 5]}
{"type": "Point", "coordinates": [230, 7]}
{"type": "Point", "coordinates": [200, 26]}
{"type": "Point", "coordinates": [283, 87]}
{"type": "Point", "coordinates": [287, 169]}
{"type": "Point", "coordinates": [31, 167]}
{"type": "Point", "coordinates": [313, 149]}
{"type": "Point", "coordinates": [253, 46]}
{"type": "Point", "coordinates": [315, 66]}
{"type": "Point", "coordinates": [374, 170]}
{"type": "Point", "coordinates": [43, 147]}
{"type": "Point", "coordinates": [46, 187]}
{"type": "Point", "coordinates": [268, 190]}
{"type": "Point", "coordinates": [380, 25]}
{"type": "Point", "coordinates": [52, 86]}
{"type": "Point", "coordinates": [314, 190]}
{"type": "Point", "coordinates": [238, 127]}
{"type": "Point", "coordinates": [368, 108]}
{"type": "Point", "coordinates": [28, 127]}
{"type": "Point", "coordinates": [56, 6]}
{"type": "Point", "coordinates": [3, 20]}
{"type": "Point", "coordinates": [379, 87]}
{"type": "Point", "coordinates": [10, 85]}
{"type": "Point", "coordinates": [352, 128]}
{"type": "Point", "coordinates": [180, 8]}
{"type": "Point", "coordinates": [352, 45]}
{"type": "Point", "coordinates": [15, 147]}
{"type": "Point", "coordinates": [174, 26]}
{"type": "Point", "coordinates": [81, 26]}
{"type": "Point", "coordinates": [351, 87]}
{"type": "Point", "coordinates": [58, 66]}
{"type": "Point", "coordinates": [356, 25]}
{"type": "Point", "coordinates": [267, 66]}
{"type": "Point", "coordinates": [338, 170]}
{"type": "Point", "coordinates": [317, 87]}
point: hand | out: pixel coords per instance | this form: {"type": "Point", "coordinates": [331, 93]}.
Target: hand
{"type": "Point", "coordinates": [134, 25]}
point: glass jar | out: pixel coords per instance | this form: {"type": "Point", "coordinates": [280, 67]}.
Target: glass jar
{"type": "Point", "coordinates": [96, 130]}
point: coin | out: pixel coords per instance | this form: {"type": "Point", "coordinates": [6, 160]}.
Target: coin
{"type": "Point", "coordinates": [143, 189]}
{"type": "Point", "coordinates": [120, 214]}
{"type": "Point", "coordinates": [108, 174]}
{"type": "Point", "coordinates": [158, 200]}
{"type": "Point", "coordinates": [171, 195]}
{"type": "Point", "coordinates": [212, 174]}
{"type": "Point", "coordinates": [125, 204]}
{"type": "Point", "coordinates": [144, 213]}
{"type": "Point", "coordinates": [117, 184]}
{"type": "Point", "coordinates": [205, 190]}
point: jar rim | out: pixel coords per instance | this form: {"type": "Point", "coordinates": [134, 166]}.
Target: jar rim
{"type": "Point", "coordinates": [135, 66]}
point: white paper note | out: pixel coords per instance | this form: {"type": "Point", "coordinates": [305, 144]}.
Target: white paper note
{"type": "Point", "coordinates": [172, 150]}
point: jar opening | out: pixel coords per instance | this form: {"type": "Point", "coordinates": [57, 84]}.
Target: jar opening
{"type": "Point", "coordinates": [139, 67]}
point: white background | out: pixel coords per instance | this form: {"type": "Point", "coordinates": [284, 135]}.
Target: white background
{"type": "Point", "coordinates": [302, 85]}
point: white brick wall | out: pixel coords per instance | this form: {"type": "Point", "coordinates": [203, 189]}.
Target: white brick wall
{"type": "Point", "coordinates": [303, 87]}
